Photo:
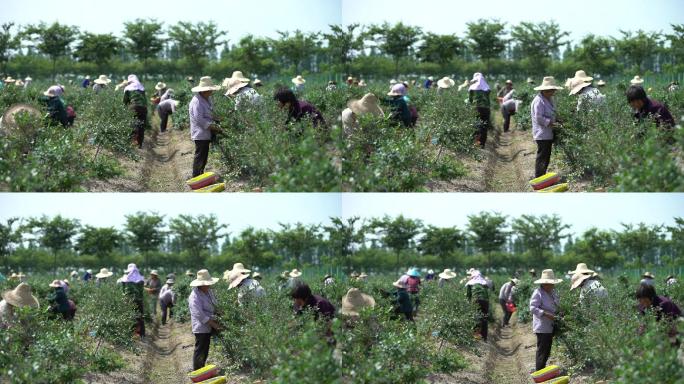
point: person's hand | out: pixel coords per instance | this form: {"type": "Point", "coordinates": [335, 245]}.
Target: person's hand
{"type": "Point", "coordinates": [549, 316]}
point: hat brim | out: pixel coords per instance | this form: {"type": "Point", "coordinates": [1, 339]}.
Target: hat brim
{"type": "Point", "coordinates": [204, 283]}
{"type": "Point", "coordinates": [158, 88]}
{"type": "Point", "coordinates": [298, 81]}
{"type": "Point", "coordinates": [104, 275]}
{"type": "Point", "coordinates": [548, 88]}
{"type": "Point", "coordinates": [446, 276]}
{"type": "Point", "coordinates": [18, 301]}
{"type": "Point", "coordinates": [579, 87]}
{"type": "Point", "coordinates": [205, 89]}
{"type": "Point", "coordinates": [102, 82]}
{"type": "Point", "coordinates": [548, 281]}
{"type": "Point", "coordinates": [294, 274]}
{"type": "Point", "coordinates": [235, 88]}
{"type": "Point", "coordinates": [360, 109]}
{"type": "Point", "coordinates": [579, 281]}
{"type": "Point", "coordinates": [239, 279]}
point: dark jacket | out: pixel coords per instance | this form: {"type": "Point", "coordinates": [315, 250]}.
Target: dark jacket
{"type": "Point", "coordinates": [664, 306]}
{"type": "Point", "coordinates": [58, 301]}
{"type": "Point", "coordinates": [319, 306]}
{"type": "Point", "coordinates": [477, 292]}
{"type": "Point", "coordinates": [656, 110]}
{"type": "Point", "coordinates": [403, 301]}
{"type": "Point", "coordinates": [305, 109]}
{"type": "Point", "coordinates": [56, 110]}
{"type": "Point", "coordinates": [399, 110]}
{"type": "Point", "coordinates": [479, 98]}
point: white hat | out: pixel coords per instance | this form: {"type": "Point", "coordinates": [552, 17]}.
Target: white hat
{"type": "Point", "coordinates": [295, 273]}
{"type": "Point", "coordinates": [548, 277]}
{"type": "Point", "coordinates": [237, 75]}
{"type": "Point", "coordinates": [354, 301]}
{"type": "Point", "coordinates": [431, 78]}
{"type": "Point", "coordinates": [170, 281]}
{"type": "Point", "coordinates": [103, 79]}
{"type": "Point", "coordinates": [397, 90]}
{"type": "Point", "coordinates": [515, 281]}
{"type": "Point", "coordinates": [581, 269]}
{"type": "Point", "coordinates": [234, 85]}
{"type": "Point", "coordinates": [19, 83]}
{"type": "Point", "coordinates": [299, 80]}
{"type": "Point", "coordinates": [28, 78]}
{"type": "Point", "coordinates": [578, 85]}
{"type": "Point", "coordinates": [601, 83]}
{"type": "Point", "coordinates": [234, 279]}
{"type": "Point", "coordinates": [55, 284]}
{"type": "Point", "coordinates": [582, 76]}
{"type": "Point", "coordinates": [206, 84]}
{"type": "Point", "coordinates": [445, 83]}
{"type": "Point", "coordinates": [203, 279]}
{"type": "Point", "coordinates": [160, 85]}
{"type": "Point", "coordinates": [257, 81]}
{"type": "Point", "coordinates": [530, 80]}
{"type": "Point", "coordinates": [239, 268]}
{"type": "Point", "coordinates": [154, 272]}
{"type": "Point", "coordinates": [129, 268]}
{"type": "Point", "coordinates": [362, 83]}
{"type": "Point", "coordinates": [549, 83]}
{"type": "Point", "coordinates": [447, 274]}
{"type": "Point", "coordinates": [20, 296]}
{"type": "Point", "coordinates": [578, 279]}
{"type": "Point", "coordinates": [367, 104]}
{"type": "Point", "coordinates": [87, 77]}
{"type": "Point", "coordinates": [9, 80]}
{"type": "Point", "coordinates": [393, 81]}
{"type": "Point", "coordinates": [104, 272]}
{"type": "Point", "coordinates": [648, 275]}
{"type": "Point", "coordinates": [637, 80]}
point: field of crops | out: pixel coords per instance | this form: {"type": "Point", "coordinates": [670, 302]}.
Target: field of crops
{"type": "Point", "coordinates": [262, 340]}
{"type": "Point", "coordinates": [602, 150]}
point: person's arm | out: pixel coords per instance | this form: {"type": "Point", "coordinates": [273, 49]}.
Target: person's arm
{"type": "Point", "coordinates": [127, 97]}
{"type": "Point", "coordinates": [469, 292]}
{"type": "Point", "coordinates": [405, 114]}
{"type": "Point", "coordinates": [666, 116]}
{"type": "Point", "coordinates": [535, 304]}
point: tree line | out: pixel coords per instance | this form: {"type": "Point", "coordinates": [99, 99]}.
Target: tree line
{"type": "Point", "coordinates": [489, 240]}
{"type": "Point", "coordinates": [148, 47]}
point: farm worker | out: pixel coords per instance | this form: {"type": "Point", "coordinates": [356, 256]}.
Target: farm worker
{"type": "Point", "coordinates": [530, 81]}
{"type": "Point", "coordinates": [238, 268]}
{"type": "Point", "coordinates": [350, 81]}
{"type": "Point", "coordinates": [297, 109]}
{"type": "Point", "coordinates": [65, 284]}
{"type": "Point", "coordinates": [102, 276]}
{"type": "Point", "coordinates": [282, 280]}
{"type": "Point", "coordinates": [645, 107]}
{"type": "Point", "coordinates": [367, 105]}
{"type": "Point", "coordinates": [428, 82]}
{"type": "Point", "coordinates": [478, 95]}
{"type": "Point", "coordinates": [362, 277]}
{"type": "Point", "coordinates": [237, 75]}
{"type": "Point", "coordinates": [589, 97]}
{"type": "Point", "coordinates": [243, 94]}
{"type": "Point", "coordinates": [507, 88]}
{"type": "Point", "coordinates": [328, 280]}
{"type": "Point", "coordinates": [533, 273]}
{"type": "Point", "coordinates": [257, 83]}
{"type": "Point", "coordinates": [446, 276]}
{"type": "Point", "coordinates": [637, 80]}
{"type": "Point", "coordinates": [202, 123]}
{"type": "Point", "coordinates": [490, 283]}
{"type": "Point", "coordinates": [353, 276]}
{"type": "Point", "coordinates": [121, 85]}
{"type": "Point", "coordinates": [189, 273]}
{"type": "Point", "coordinates": [332, 86]}
{"type": "Point", "coordinates": [543, 112]}
{"type": "Point", "coordinates": [86, 82]}
{"type": "Point", "coordinates": [56, 107]}
{"type": "Point", "coordinates": [647, 279]}
{"type": "Point", "coordinates": [88, 275]}
{"type": "Point", "coordinates": [167, 299]}
{"type": "Point", "coordinates": [362, 83]}
{"type": "Point", "coordinates": [190, 80]}
{"type": "Point", "coordinates": [152, 287]}
{"type": "Point", "coordinates": [21, 277]}
{"type": "Point", "coordinates": [136, 101]}
{"type": "Point", "coordinates": [257, 276]}
{"type": "Point", "coordinates": [661, 306]}
{"type": "Point", "coordinates": [392, 82]}
{"type": "Point", "coordinates": [402, 300]}
{"type": "Point", "coordinates": [293, 278]}
{"type": "Point", "coordinates": [74, 275]}
{"type": "Point", "coordinates": [670, 281]}
{"type": "Point", "coordinates": [202, 303]}
{"type": "Point", "coordinates": [673, 87]}
{"type": "Point", "coordinates": [543, 305]}
{"type": "Point", "coordinates": [160, 89]}
{"type": "Point", "coordinates": [101, 83]}
{"type": "Point", "coordinates": [17, 298]}
{"type": "Point", "coordinates": [298, 82]}
{"type": "Point", "coordinates": [166, 108]}
{"type": "Point", "coordinates": [133, 283]}
{"type": "Point", "coordinates": [506, 294]}
{"type": "Point", "coordinates": [589, 285]}
{"type": "Point", "coordinates": [477, 292]}
{"type": "Point", "coordinates": [27, 82]}
{"type": "Point", "coordinates": [59, 302]}
{"type": "Point", "coordinates": [355, 301]}
{"type": "Point", "coordinates": [399, 109]}
{"type": "Point", "coordinates": [430, 275]}
{"type": "Point", "coordinates": [445, 83]}
{"type": "Point", "coordinates": [413, 286]}
{"type": "Point", "coordinates": [248, 288]}
{"type": "Point", "coordinates": [168, 95]}
{"type": "Point", "coordinates": [305, 300]}
{"type": "Point", "coordinates": [509, 108]}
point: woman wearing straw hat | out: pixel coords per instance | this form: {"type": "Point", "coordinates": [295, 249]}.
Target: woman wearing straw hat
{"type": "Point", "coordinates": [543, 111]}
{"type": "Point", "coordinates": [506, 295]}
{"type": "Point", "coordinates": [202, 123]}
{"type": "Point", "coordinates": [293, 278]}
{"type": "Point", "coordinates": [257, 84]}
{"type": "Point", "coordinates": [544, 305]}
{"type": "Point", "coordinates": [132, 284]}
{"type": "Point", "coordinates": [399, 109]}
{"type": "Point", "coordinates": [328, 280]}
{"type": "Point", "coordinates": [637, 80]}
{"type": "Point", "coordinates": [298, 82]}
{"type": "Point", "coordinates": [248, 288]}
{"type": "Point", "coordinates": [589, 285]}
{"type": "Point", "coordinates": [646, 108]}
{"type": "Point", "coordinates": [242, 94]}
{"type": "Point", "coordinates": [135, 99]}
{"type": "Point", "coordinates": [102, 276]}
{"type": "Point", "coordinates": [297, 109]}
{"type": "Point", "coordinates": [17, 298]}
{"type": "Point", "coordinates": [27, 82]}
{"type": "Point", "coordinates": [202, 303]}
{"type": "Point", "coordinates": [477, 291]}
{"type": "Point", "coordinates": [160, 89]}
{"type": "Point", "coordinates": [101, 83]}
{"type": "Point", "coordinates": [479, 96]}
{"type": "Point", "coordinates": [167, 299]}
{"type": "Point", "coordinates": [589, 97]}
{"type": "Point", "coordinates": [153, 287]}
{"type": "Point", "coordinates": [355, 301]}
{"type": "Point", "coordinates": [647, 279]}
{"type": "Point", "coordinates": [445, 83]}
{"type": "Point", "coordinates": [446, 276]}
{"type": "Point", "coordinates": [367, 105]}
{"type": "Point", "coordinates": [56, 106]}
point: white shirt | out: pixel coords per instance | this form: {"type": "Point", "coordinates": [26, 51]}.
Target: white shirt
{"type": "Point", "coordinates": [167, 295]}
{"type": "Point", "coordinates": [6, 312]}
{"type": "Point", "coordinates": [250, 288]}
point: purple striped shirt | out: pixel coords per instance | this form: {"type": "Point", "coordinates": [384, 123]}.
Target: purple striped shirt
{"type": "Point", "coordinates": [201, 310]}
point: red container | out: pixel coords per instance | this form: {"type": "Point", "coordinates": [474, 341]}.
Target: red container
{"type": "Point", "coordinates": [510, 307]}
{"type": "Point", "coordinates": [205, 373]}
{"type": "Point", "coordinates": [203, 180]}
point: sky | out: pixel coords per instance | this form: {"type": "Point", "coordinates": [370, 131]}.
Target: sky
{"type": "Point", "coordinates": [265, 211]}
{"type": "Point", "coordinates": [265, 17]}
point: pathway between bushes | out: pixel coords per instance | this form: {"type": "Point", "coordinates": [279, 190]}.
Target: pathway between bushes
{"type": "Point", "coordinates": [510, 158]}
{"type": "Point", "coordinates": [167, 160]}
{"type": "Point", "coordinates": [168, 356]}
{"type": "Point", "coordinates": [511, 352]}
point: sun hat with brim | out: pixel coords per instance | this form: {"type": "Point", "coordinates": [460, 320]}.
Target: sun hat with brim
{"type": "Point", "coordinates": [235, 279]}
{"type": "Point", "coordinates": [601, 83]}
{"type": "Point", "coordinates": [50, 92]}
{"type": "Point", "coordinates": [397, 90]}
{"type": "Point", "coordinates": [256, 275]}
{"type": "Point", "coordinates": [447, 274]}
{"type": "Point", "coordinates": [577, 86]}
{"type": "Point", "coordinates": [354, 274]}
{"type": "Point", "coordinates": [509, 82]}
{"type": "Point", "coordinates": [548, 84]}
{"type": "Point", "coordinates": [170, 281]}
{"type": "Point", "coordinates": [355, 301]}
{"type": "Point", "coordinates": [548, 277]}
{"type": "Point", "coordinates": [20, 296]}
{"type": "Point", "coordinates": [581, 269]}
{"type": "Point", "coordinates": [362, 83]}
{"type": "Point", "coordinates": [445, 83]}
{"type": "Point", "coordinates": [203, 279]}
{"type": "Point", "coordinates": [393, 81]}
{"type": "Point", "coordinates": [103, 79]}
{"type": "Point", "coordinates": [399, 284]}
{"type": "Point", "coordinates": [189, 273]}
{"type": "Point", "coordinates": [19, 83]}
{"type": "Point", "coordinates": [206, 84]}
{"type": "Point", "coordinates": [28, 78]}
{"type": "Point", "coordinates": [9, 80]}
{"type": "Point", "coordinates": [104, 273]}
{"type": "Point", "coordinates": [240, 268]}
{"type": "Point", "coordinates": [363, 275]}
{"type": "Point", "coordinates": [237, 75]}
{"type": "Point", "coordinates": [578, 279]}
{"type": "Point", "coordinates": [234, 85]}
{"type": "Point", "coordinates": [299, 80]}
{"type": "Point", "coordinates": [368, 104]}
{"type": "Point", "coordinates": [648, 275]}
{"type": "Point", "coordinates": [21, 275]}
{"type": "Point", "coordinates": [295, 273]}
{"type": "Point", "coordinates": [637, 80]}
{"type": "Point", "coordinates": [154, 272]}
{"type": "Point", "coordinates": [55, 284]}
{"type": "Point", "coordinates": [413, 272]}
{"type": "Point", "coordinates": [160, 85]}
{"type": "Point", "coordinates": [530, 80]}
{"type": "Point", "coordinates": [257, 82]}
{"type": "Point", "coordinates": [582, 76]}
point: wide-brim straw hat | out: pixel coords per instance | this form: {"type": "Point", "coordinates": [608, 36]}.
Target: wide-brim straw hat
{"type": "Point", "coordinates": [577, 86]}
{"type": "Point", "coordinates": [203, 279]}
{"type": "Point", "coordinates": [103, 79]}
{"type": "Point", "coordinates": [393, 81]}
{"type": "Point", "coordinates": [9, 80]}
{"type": "Point", "coordinates": [234, 85]}
{"type": "Point", "coordinates": [530, 80]}
{"type": "Point", "coordinates": [299, 80]}
{"type": "Point", "coordinates": [55, 284]}
{"type": "Point", "coordinates": [368, 104]}
{"type": "Point", "coordinates": [363, 275]}
{"type": "Point", "coordinates": [154, 272]}
{"type": "Point", "coordinates": [206, 84]}
{"type": "Point", "coordinates": [509, 81]}
{"type": "Point", "coordinates": [445, 83]}
{"type": "Point", "coordinates": [237, 75]}
{"type": "Point", "coordinates": [50, 92]}
{"type": "Point", "coordinates": [74, 273]}
{"type": "Point", "coordinates": [257, 82]}
{"type": "Point", "coordinates": [648, 275]}
{"type": "Point", "coordinates": [235, 279]}
{"type": "Point", "coordinates": [28, 78]}
{"type": "Point", "coordinates": [295, 273]}
{"type": "Point", "coordinates": [581, 269]}
{"type": "Point", "coordinates": [240, 268]}
{"type": "Point", "coordinates": [355, 301]}
{"type": "Point", "coordinates": [447, 274]}
{"type": "Point", "coordinates": [256, 275]}
{"type": "Point", "coordinates": [549, 83]}
{"type": "Point", "coordinates": [578, 279]}
{"type": "Point", "coordinates": [637, 80]}
{"type": "Point", "coordinates": [104, 273]}
{"type": "Point", "coordinates": [189, 273]}
{"type": "Point", "coordinates": [362, 83]}
{"type": "Point", "coordinates": [354, 274]}
{"type": "Point", "coordinates": [20, 296]}
{"type": "Point", "coordinates": [548, 277]}
{"type": "Point", "coordinates": [160, 85]}
{"type": "Point", "coordinates": [19, 83]}
{"type": "Point", "coordinates": [582, 76]}
{"type": "Point", "coordinates": [399, 284]}
{"type": "Point", "coordinates": [600, 83]}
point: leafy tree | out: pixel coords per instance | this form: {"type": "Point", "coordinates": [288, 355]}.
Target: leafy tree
{"type": "Point", "coordinates": [487, 231]}
{"type": "Point", "coordinates": [144, 39]}
{"type": "Point", "coordinates": [597, 247]}
{"type": "Point", "coordinates": [640, 243]}
{"type": "Point", "coordinates": [637, 48]}
{"type": "Point", "coordinates": [8, 43]}
{"type": "Point", "coordinates": [97, 48]}
{"type": "Point", "coordinates": [296, 48]}
{"type": "Point", "coordinates": [486, 39]}
{"type": "Point", "coordinates": [9, 235]}
{"type": "Point", "coordinates": [676, 238]}
{"type": "Point", "coordinates": [397, 233]}
{"type": "Point", "coordinates": [99, 242]}
{"type": "Point", "coordinates": [298, 242]}
{"type": "Point", "coordinates": [255, 246]}
{"type": "Point", "coordinates": [145, 232]}
{"type": "Point", "coordinates": [54, 233]}
{"type": "Point", "coordinates": [196, 235]}
{"type": "Point", "coordinates": [52, 40]}
{"type": "Point", "coordinates": [254, 53]}
{"type": "Point", "coordinates": [441, 242]}
{"type": "Point", "coordinates": [196, 41]}
{"type": "Point", "coordinates": [343, 43]}
{"type": "Point", "coordinates": [539, 42]}
{"type": "Point", "coordinates": [595, 54]}
{"type": "Point", "coordinates": [342, 235]}
{"type": "Point", "coordinates": [396, 41]}
{"type": "Point", "coordinates": [676, 39]}
{"type": "Point", "coordinates": [539, 234]}
{"type": "Point", "coordinates": [440, 49]}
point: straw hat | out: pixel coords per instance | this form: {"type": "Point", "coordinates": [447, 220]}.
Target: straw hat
{"type": "Point", "coordinates": [362, 83]}
{"type": "Point", "coordinates": [256, 275]}
{"type": "Point", "coordinates": [637, 80]}
{"type": "Point", "coordinates": [14, 275]}
{"type": "Point", "coordinates": [355, 301]}
{"type": "Point", "coordinates": [362, 276]}
{"type": "Point", "coordinates": [648, 275]}
{"type": "Point", "coordinates": [50, 92]}
{"type": "Point", "coordinates": [28, 78]}
{"type": "Point", "coordinates": [399, 284]}
{"type": "Point", "coordinates": [367, 104]}
{"type": "Point", "coordinates": [203, 279]}
{"type": "Point", "coordinates": [55, 284]}
{"type": "Point", "coordinates": [239, 268]}
{"type": "Point", "coordinates": [234, 85]}
{"type": "Point", "coordinates": [349, 78]}
{"type": "Point", "coordinates": [257, 82]}
{"type": "Point", "coordinates": [295, 273]}
{"type": "Point", "coordinates": [532, 271]}
{"type": "Point", "coordinates": [21, 275]}
{"type": "Point", "coordinates": [397, 90]}
{"type": "Point", "coordinates": [103, 79]}
{"type": "Point", "coordinates": [74, 273]}
{"type": "Point", "coordinates": [354, 275]}
{"type": "Point", "coordinates": [237, 75]}
{"type": "Point", "coordinates": [189, 273]}
{"type": "Point", "coordinates": [509, 82]}
{"type": "Point", "coordinates": [447, 274]}
{"type": "Point", "coordinates": [104, 273]}
{"type": "Point", "coordinates": [160, 85]}
{"type": "Point", "coordinates": [578, 279]}
{"type": "Point", "coordinates": [9, 80]}
{"type": "Point", "coordinates": [582, 76]}
{"type": "Point", "coordinates": [601, 83]}
{"type": "Point", "coordinates": [19, 83]}
{"type": "Point", "coordinates": [87, 77]}
{"type": "Point", "coordinates": [170, 281]}
{"type": "Point", "coordinates": [445, 82]}
{"type": "Point", "coordinates": [206, 84]}
{"type": "Point", "coordinates": [577, 86]}
{"type": "Point", "coordinates": [393, 81]}
{"type": "Point", "coordinates": [530, 80]}
{"type": "Point", "coordinates": [431, 78]}
{"type": "Point", "coordinates": [20, 296]}
{"type": "Point", "coordinates": [299, 80]}
{"type": "Point", "coordinates": [548, 277]}
{"type": "Point", "coordinates": [515, 281]}
{"type": "Point", "coordinates": [581, 269]}
{"type": "Point", "coordinates": [549, 83]}
{"type": "Point", "coordinates": [154, 272]}
{"type": "Point", "coordinates": [235, 279]}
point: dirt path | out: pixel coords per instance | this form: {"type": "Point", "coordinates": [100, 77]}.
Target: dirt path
{"type": "Point", "coordinates": [169, 354]}
{"type": "Point", "coordinates": [167, 161]}
{"type": "Point", "coordinates": [509, 353]}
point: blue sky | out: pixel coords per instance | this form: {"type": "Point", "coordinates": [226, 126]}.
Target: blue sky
{"type": "Point", "coordinates": [264, 17]}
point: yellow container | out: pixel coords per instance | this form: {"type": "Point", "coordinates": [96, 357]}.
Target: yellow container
{"type": "Point", "coordinates": [202, 180]}
{"type": "Point", "coordinates": [203, 374]}
{"type": "Point", "coordinates": [563, 187]}
{"type": "Point", "coordinates": [558, 380]}
{"type": "Point", "coordinates": [220, 187]}
{"type": "Point", "coordinates": [548, 373]}
{"type": "Point", "coordinates": [215, 380]}
{"type": "Point", "coordinates": [545, 181]}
